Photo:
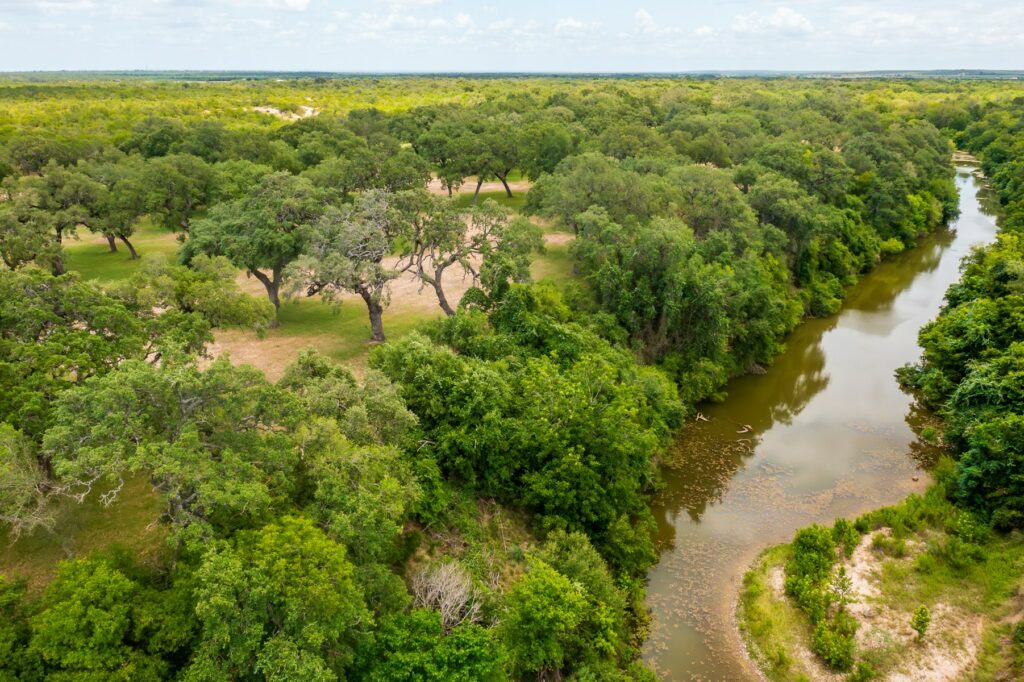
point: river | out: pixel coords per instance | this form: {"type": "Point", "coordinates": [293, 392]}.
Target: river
{"type": "Point", "coordinates": [826, 432]}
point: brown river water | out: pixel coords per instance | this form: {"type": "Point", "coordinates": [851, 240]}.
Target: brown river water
{"type": "Point", "coordinates": [826, 432]}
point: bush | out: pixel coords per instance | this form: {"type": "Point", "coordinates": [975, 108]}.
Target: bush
{"type": "Point", "coordinates": [1018, 633]}
{"type": "Point", "coordinates": [846, 535]}
{"type": "Point", "coordinates": [814, 552]}
{"type": "Point", "coordinates": [920, 620]}
{"type": "Point", "coordinates": [862, 673]}
{"type": "Point", "coordinates": [957, 554]}
{"type": "Point", "coordinates": [833, 641]}
{"type": "Point", "coordinates": [891, 246]}
{"type": "Point", "coordinates": [891, 546]}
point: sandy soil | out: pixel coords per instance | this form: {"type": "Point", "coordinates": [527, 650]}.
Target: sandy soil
{"type": "Point", "coordinates": [469, 186]}
{"type": "Point", "coordinates": [947, 653]}
{"type": "Point", "coordinates": [304, 112]}
{"type": "Point", "coordinates": [275, 352]}
{"type": "Point", "coordinates": [558, 238]}
{"type": "Point", "coordinates": [271, 354]}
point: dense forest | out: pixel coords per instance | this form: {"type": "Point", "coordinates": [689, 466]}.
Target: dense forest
{"type": "Point", "coordinates": [470, 500]}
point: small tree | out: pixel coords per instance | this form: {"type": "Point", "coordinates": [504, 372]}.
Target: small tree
{"type": "Point", "coordinates": [543, 610]}
{"type": "Point", "coordinates": [920, 620]}
{"type": "Point", "coordinates": [842, 588]}
{"type": "Point", "coordinates": [448, 589]}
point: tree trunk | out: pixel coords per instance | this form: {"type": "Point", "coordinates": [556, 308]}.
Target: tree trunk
{"type": "Point", "coordinates": [441, 298]}
{"type": "Point", "coordinates": [184, 222]}
{"type": "Point", "coordinates": [131, 248]}
{"type": "Point", "coordinates": [376, 323]}
{"type": "Point", "coordinates": [449, 191]}
{"type": "Point", "coordinates": [479, 184]}
{"type": "Point", "coordinates": [508, 190]}
{"type": "Point", "coordinates": [273, 287]}
{"type": "Point", "coordinates": [111, 242]}
{"type": "Point", "coordinates": [58, 260]}
{"type": "Point", "coordinates": [376, 311]}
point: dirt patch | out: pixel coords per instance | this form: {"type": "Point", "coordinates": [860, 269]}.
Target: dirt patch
{"type": "Point", "coordinates": [469, 186]}
{"type": "Point", "coordinates": [777, 581]}
{"type": "Point", "coordinates": [862, 570]}
{"type": "Point", "coordinates": [271, 355]}
{"type": "Point", "coordinates": [558, 238]}
{"type": "Point", "coordinates": [948, 652]}
{"type": "Point", "coordinates": [950, 647]}
{"type": "Point", "coordinates": [303, 112]}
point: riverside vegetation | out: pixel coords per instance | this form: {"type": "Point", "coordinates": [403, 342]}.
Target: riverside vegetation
{"type": "Point", "coordinates": [470, 501]}
{"type": "Point", "coordinates": [942, 574]}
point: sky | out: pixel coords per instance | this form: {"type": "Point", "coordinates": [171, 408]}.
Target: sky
{"type": "Point", "coordinates": [520, 36]}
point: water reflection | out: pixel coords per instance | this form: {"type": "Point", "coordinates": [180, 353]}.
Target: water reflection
{"type": "Point", "coordinates": [707, 454]}
{"type": "Point", "coordinates": [826, 432]}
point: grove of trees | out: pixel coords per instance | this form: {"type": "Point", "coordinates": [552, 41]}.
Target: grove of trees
{"type": "Point", "coordinates": [473, 504]}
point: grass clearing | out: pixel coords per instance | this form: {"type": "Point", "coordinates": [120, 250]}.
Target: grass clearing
{"type": "Point", "coordinates": [81, 529]}
{"type": "Point", "coordinates": [771, 627]}
{"type": "Point", "coordinates": [90, 256]}
{"type": "Point", "coordinates": [340, 332]}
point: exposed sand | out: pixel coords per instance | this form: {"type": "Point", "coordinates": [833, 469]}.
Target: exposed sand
{"type": "Point", "coordinates": [304, 112]}
{"type": "Point", "coordinates": [469, 186]}
{"type": "Point", "coordinates": [948, 651]}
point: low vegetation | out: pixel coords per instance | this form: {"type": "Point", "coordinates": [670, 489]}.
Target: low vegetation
{"type": "Point", "coordinates": [920, 590]}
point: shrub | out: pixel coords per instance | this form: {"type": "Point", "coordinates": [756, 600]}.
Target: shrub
{"type": "Point", "coordinates": [862, 673]}
{"type": "Point", "coordinates": [920, 620]}
{"type": "Point", "coordinates": [846, 535]}
{"type": "Point", "coordinates": [814, 552]}
{"type": "Point", "coordinates": [833, 641]}
{"type": "Point", "coordinates": [1018, 633]}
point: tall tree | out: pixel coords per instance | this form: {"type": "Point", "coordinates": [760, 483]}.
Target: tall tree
{"type": "Point", "coordinates": [347, 251]}
{"type": "Point", "coordinates": [438, 237]}
{"type": "Point", "coordinates": [263, 232]}
{"type": "Point", "coordinates": [67, 197]}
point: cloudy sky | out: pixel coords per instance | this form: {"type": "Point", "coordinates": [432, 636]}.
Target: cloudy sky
{"type": "Point", "coordinates": [524, 35]}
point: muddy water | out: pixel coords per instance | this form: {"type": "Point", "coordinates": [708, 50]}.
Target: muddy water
{"type": "Point", "coordinates": [826, 432]}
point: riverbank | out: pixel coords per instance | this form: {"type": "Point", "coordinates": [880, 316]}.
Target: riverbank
{"type": "Point", "coordinates": [825, 433]}
{"type": "Point", "coordinates": [923, 552]}
{"type": "Point", "coordinates": [931, 588]}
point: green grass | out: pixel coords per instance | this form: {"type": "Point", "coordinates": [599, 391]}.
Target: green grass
{"type": "Point", "coordinates": [771, 627]}
{"type": "Point", "coordinates": [88, 527]}
{"type": "Point", "coordinates": [348, 325]}
{"type": "Point", "coordinates": [555, 265]}
{"type": "Point", "coordinates": [91, 257]}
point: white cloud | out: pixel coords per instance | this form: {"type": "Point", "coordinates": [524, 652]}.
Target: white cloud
{"type": "Point", "coordinates": [647, 25]}
{"type": "Point", "coordinates": [574, 28]}
{"type": "Point", "coordinates": [410, 3]}
{"type": "Point", "coordinates": [783, 21]}
{"type": "Point", "coordinates": [56, 6]}
{"type": "Point", "coordinates": [292, 5]}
